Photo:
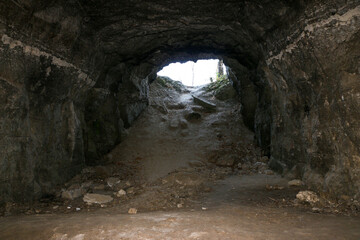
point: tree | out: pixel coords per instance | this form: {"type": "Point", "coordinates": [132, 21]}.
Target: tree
{"type": "Point", "coordinates": [220, 70]}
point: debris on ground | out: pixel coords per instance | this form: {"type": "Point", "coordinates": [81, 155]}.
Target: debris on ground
{"type": "Point", "coordinates": [204, 103]}
{"type": "Point", "coordinates": [97, 198]}
{"type": "Point", "coordinates": [308, 197]}
{"type": "Point", "coordinates": [295, 183]}
{"type": "Point", "coordinates": [132, 211]}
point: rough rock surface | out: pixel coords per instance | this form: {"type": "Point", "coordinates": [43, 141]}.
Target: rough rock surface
{"type": "Point", "coordinates": [75, 74]}
{"type": "Point", "coordinates": [97, 198]}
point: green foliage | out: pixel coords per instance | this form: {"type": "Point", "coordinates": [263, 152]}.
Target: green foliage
{"type": "Point", "coordinates": [220, 82]}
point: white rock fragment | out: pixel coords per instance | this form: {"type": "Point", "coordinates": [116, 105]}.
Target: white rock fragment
{"type": "Point", "coordinates": [121, 193]}
{"type": "Point", "coordinates": [132, 211]}
{"type": "Point", "coordinates": [307, 196]}
{"type": "Point", "coordinates": [74, 191]}
{"type": "Point", "coordinates": [97, 198]}
{"type": "Point", "coordinates": [99, 187]}
{"type": "Point", "coordinates": [112, 181]}
{"type": "Point", "coordinates": [131, 190]}
{"type": "Point", "coordinates": [295, 183]}
{"type": "Point", "coordinates": [269, 172]}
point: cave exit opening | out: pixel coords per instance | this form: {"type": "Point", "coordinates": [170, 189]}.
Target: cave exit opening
{"type": "Point", "coordinates": [193, 73]}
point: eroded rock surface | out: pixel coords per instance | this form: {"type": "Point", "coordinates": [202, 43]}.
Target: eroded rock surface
{"type": "Point", "coordinates": [75, 74]}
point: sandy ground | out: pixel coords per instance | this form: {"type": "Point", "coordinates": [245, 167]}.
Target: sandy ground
{"type": "Point", "coordinates": [173, 171]}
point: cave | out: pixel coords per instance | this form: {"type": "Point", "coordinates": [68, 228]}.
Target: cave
{"type": "Point", "coordinates": [75, 76]}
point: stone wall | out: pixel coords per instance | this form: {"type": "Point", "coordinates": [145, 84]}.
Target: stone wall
{"type": "Point", "coordinates": [315, 95]}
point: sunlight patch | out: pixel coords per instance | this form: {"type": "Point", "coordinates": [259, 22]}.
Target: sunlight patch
{"type": "Point", "coordinates": [190, 73]}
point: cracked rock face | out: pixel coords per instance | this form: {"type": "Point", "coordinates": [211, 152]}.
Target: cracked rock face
{"type": "Point", "coordinates": [75, 74]}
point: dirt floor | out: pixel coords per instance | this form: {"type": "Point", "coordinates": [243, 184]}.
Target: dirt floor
{"type": "Point", "coordinates": [187, 170]}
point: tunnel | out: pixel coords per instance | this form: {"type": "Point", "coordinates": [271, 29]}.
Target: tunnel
{"type": "Point", "coordinates": [75, 76]}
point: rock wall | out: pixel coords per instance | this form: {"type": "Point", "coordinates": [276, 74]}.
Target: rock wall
{"type": "Point", "coordinates": [314, 82]}
{"type": "Point", "coordinates": [41, 134]}
{"type": "Point", "coordinates": [58, 108]}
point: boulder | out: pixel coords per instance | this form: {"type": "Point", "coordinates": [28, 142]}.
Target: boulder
{"type": "Point", "coordinates": [308, 197]}
{"type": "Point", "coordinates": [204, 103]}
{"type": "Point", "coordinates": [97, 198]}
{"type": "Point", "coordinates": [295, 183]}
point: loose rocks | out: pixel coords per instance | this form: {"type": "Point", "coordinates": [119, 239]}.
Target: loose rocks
{"type": "Point", "coordinates": [295, 183]}
{"type": "Point", "coordinates": [74, 191]}
{"type": "Point", "coordinates": [112, 181]}
{"type": "Point", "coordinates": [307, 196]}
{"type": "Point", "coordinates": [97, 198]}
{"type": "Point", "coordinates": [204, 103]}
{"type": "Point", "coordinates": [132, 211]}
{"type": "Point", "coordinates": [121, 193]}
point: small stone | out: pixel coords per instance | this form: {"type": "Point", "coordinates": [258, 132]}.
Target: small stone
{"type": "Point", "coordinates": [275, 187]}
{"type": "Point", "coordinates": [99, 187]}
{"type": "Point", "coordinates": [72, 194]}
{"type": "Point", "coordinates": [175, 105]}
{"type": "Point", "coordinates": [112, 181]}
{"type": "Point", "coordinates": [295, 183]}
{"type": "Point", "coordinates": [55, 207]}
{"type": "Point", "coordinates": [316, 210]}
{"type": "Point", "coordinates": [204, 208]}
{"type": "Point", "coordinates": [131, 190]}
{"type": "Point", "coordinates": [179, 205]}
{"type": "Point", "coordinates": [196, 164]}
{"type": "Point", "coordinates": [132, 211]}
{"type": "Point", "coordinates": [307, 196]}
{"type": "Point", "coordinates": [68, 207]}
{"type": "Point", "coordinates": [269, 172]}
{"type": "Point", "coordinates": [121, 193]}
{"type": "Point", "coordinates": [260, 166]}
{"type": "Point", "coordinates": [128, 183]}
{"type": "Point", "coordinates": [97, 198]}
{"type": "Point", "coordinates": [78, 209]}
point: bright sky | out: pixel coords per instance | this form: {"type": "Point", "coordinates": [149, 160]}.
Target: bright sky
{"type": "Point", "coordinates": [203, 70]}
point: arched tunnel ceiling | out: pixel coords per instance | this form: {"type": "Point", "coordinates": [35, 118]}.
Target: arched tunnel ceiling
{"type": "Point", "coordinates": [69, 67]}
{"type": "Point", "coordinates": [137, 29]}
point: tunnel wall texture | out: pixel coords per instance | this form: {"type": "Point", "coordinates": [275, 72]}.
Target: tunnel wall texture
{"type": "Point", "coordinates": [74, 75]}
